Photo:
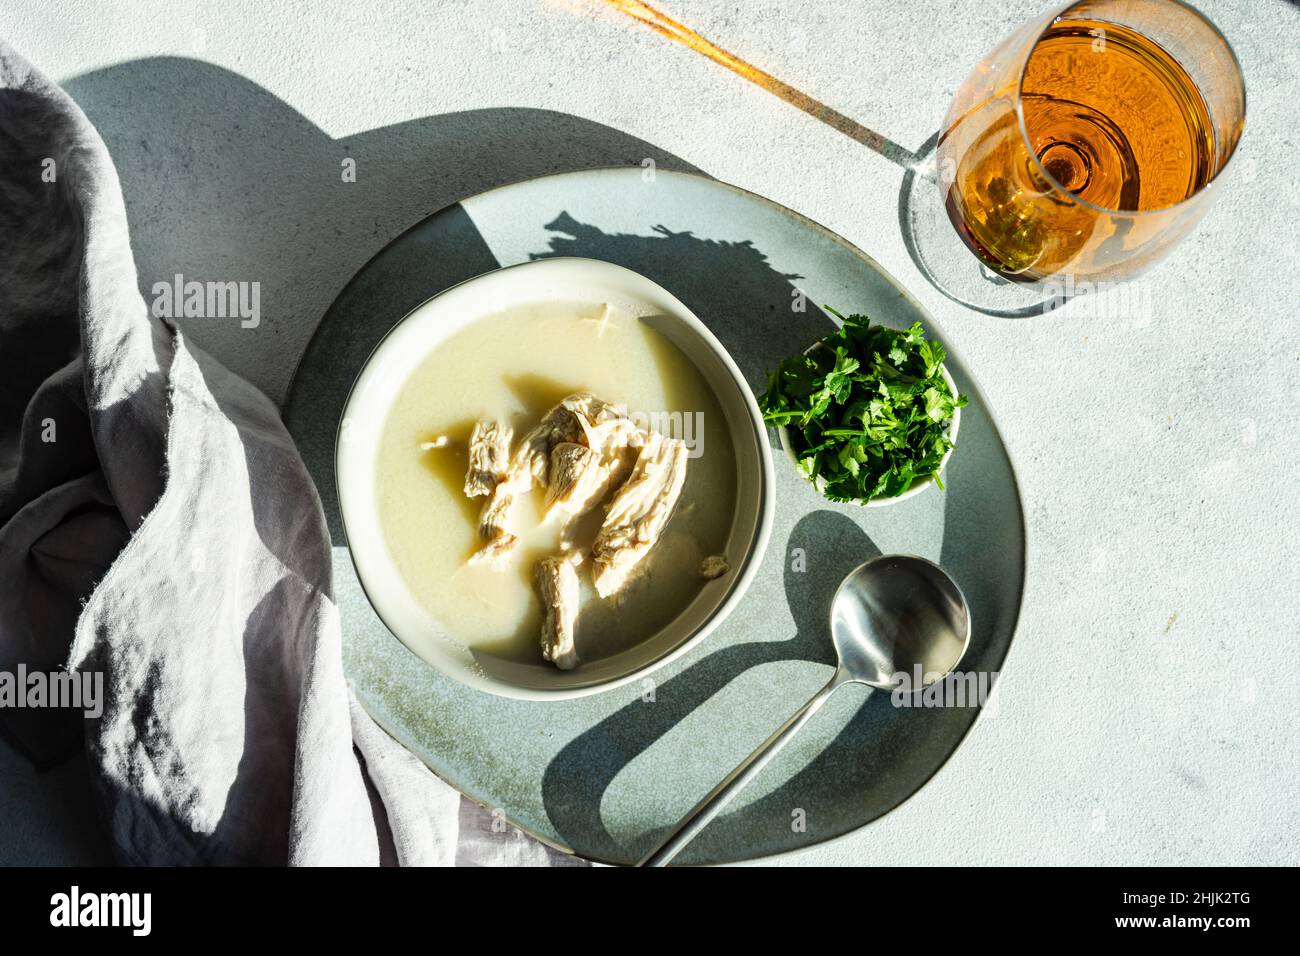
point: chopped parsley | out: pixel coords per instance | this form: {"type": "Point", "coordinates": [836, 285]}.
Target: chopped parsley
{"type": "Point", "coordinates": [867, 410]}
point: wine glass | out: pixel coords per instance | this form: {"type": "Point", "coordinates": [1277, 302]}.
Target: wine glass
{"type": "Point", "coordinates": [1080, 150]}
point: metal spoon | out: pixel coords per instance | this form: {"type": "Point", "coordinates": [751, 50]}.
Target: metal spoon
{"type": "Point", "coordinates": [889, 616]}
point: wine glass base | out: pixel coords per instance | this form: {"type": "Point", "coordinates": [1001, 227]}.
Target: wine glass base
{"type": "Point", "coordinates": [949, 264]}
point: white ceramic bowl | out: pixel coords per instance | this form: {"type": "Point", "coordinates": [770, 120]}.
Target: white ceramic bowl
{"type": "Point", "coordinates": [917, 486]}
{"type": "Point", "coordinates": [406, 346]}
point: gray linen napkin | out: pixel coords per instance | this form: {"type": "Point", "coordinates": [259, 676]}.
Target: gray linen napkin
{"type": "Point", "coordinates": [157, 526]}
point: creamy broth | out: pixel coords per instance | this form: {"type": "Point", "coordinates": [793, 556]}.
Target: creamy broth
{"type": "Point", "coordinates": [515, 366]}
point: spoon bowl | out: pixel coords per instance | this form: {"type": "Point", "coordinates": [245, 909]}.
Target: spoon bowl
{"type": "Point", "coordinates": [899, 618]}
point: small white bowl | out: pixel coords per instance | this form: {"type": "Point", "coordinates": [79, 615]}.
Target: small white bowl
{"type": "Point", "coordinates": [408, 343]}
{"type": "Point", "coordinates": [917, 486]}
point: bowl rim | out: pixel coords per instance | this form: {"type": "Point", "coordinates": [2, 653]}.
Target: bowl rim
{"type": "Point", "coordinates": [755, 551]}
{"type": "Point", "coordinates": [954, 423]}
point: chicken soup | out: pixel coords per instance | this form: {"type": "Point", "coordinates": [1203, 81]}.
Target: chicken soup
{"type": "Point", "coordinates": [556, 482]}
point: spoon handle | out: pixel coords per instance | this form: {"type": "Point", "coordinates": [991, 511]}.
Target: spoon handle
{"type": "Point", "coordinates": [721, 795]}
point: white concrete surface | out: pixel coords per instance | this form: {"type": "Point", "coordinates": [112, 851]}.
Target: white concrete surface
{"type": "Point", "coordinates": [1148, 710]}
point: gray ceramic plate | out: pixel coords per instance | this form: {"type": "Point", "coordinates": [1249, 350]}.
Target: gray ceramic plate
{"type": "Point", "coordinates": [603, 775]}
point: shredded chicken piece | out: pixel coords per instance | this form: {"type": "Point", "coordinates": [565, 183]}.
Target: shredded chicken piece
{"type": "Point", "coordinates": [714, 566]}
{"type": "Point", "coordinates": [489, 457]}
{"type": "Point", "coordinates": [610, 435]}
{"type": "Point", "coordinates": [582, 477]}
{"type": "Point", "coordinates": [581, 451]}
{"type": "Point", "coordinates": [557, 586]}
{"type": "Point", "coordinates": [493, 525]}
{"type": "Point", "coordinates": [495, 550]}
{"type": "Point", "coordinates": [532, 459]}
{"type": "Point", "coordinates": [575, 475]}
{"type": "Point", "coordinates": [574, 419]}
{"type": "Point", "coordinates": [590, 410]}
{"type": "Point", "coordinates": [638, 513]}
